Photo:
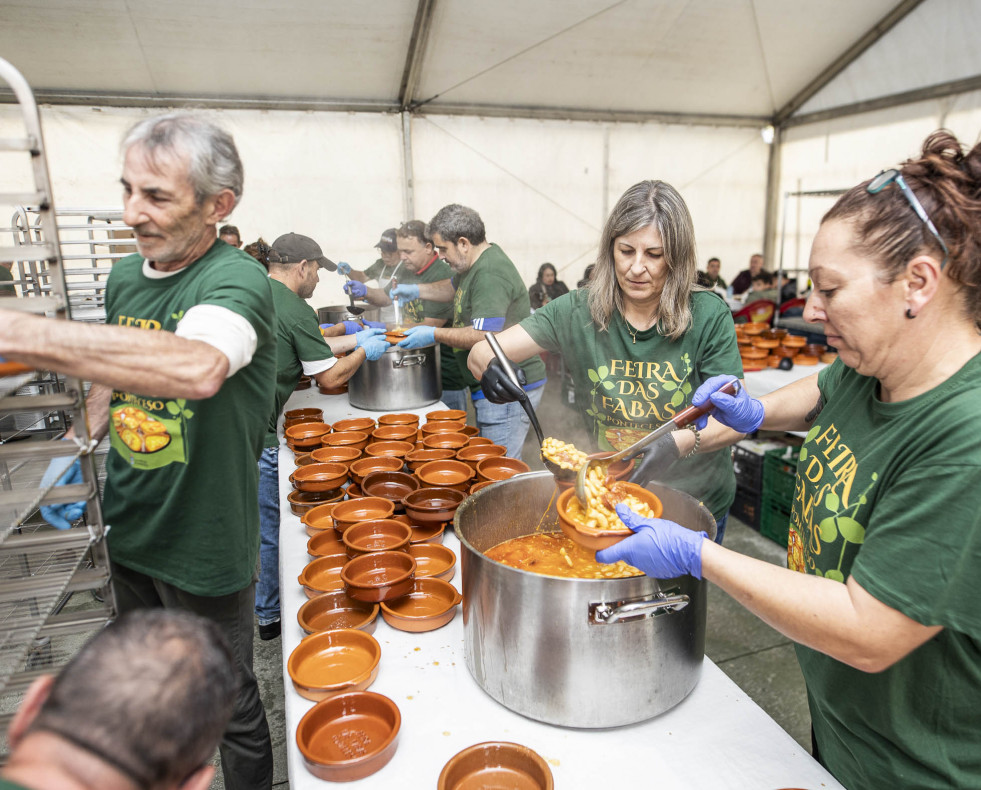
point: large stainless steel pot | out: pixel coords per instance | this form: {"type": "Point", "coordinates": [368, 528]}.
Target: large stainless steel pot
{"type": "Point", "coordinates": [335, 313]}
{"type": "Point", "coordinates": [575, 652]}
{"type": "Point", "coordinates": [400, 379]}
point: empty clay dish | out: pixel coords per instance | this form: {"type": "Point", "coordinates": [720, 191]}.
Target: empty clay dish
{"type": "Point", "coordinates": [302, 502]}
{"type": "Point", "coordinates": [333, 610]}
{"type": "Point", "coordinates": [441, 426]}
{"type": "Point", "coordinates": [319, 518]}
{"type": "Point", "coordinates": [379, 576]}
{"type": "Point", "coordinates": [333, 390]}
{"type": "Point", "coordinates": [433, 505]}
{"type": "Point", "coordinates": [795, 341]}
{"type": "Point", "coordinates": [302, 459]}
{"type": "Point", "coordinates": [469, 430]}
{"type": "Point", "coordinates": [326, 543]}
{"type": "Point", "coordinates": [433, 561]}
{"type": "Point", "coordinates": [306, 434]}
{"type": "Point", "coordinates": [496, 764]}
{"type": "Point", "coordinates": [445, 474]}
{"type": "Point", "coordinates": [417, 458]}
{"type": "Point", "coordinates": [335, 455]}
{"type": "Point", "coordinates": [302, 383]}
{"type": "Point", "coordinates": [380, 463]}
{"type": "Point", "coordinates": [446, 414]}
{"type": "Point", "coordinates": [390, 448]}
{"type": "Point", "coordinates": [754, 328]}
{"type": "Point", "coordinates": [500, 468]}
{"type": "Point", "coordinates": [444, 441]}
{"type": "Point", "coordinates": [354, 491]}
{"type": "Point", "coordinates": [394, 433]}
{"type": "Point", "coordinates": [349, 736]}
{"type": "Point", "coordinates": [383, 534]}
{"type": "Point", "coordinates": [805, 359]}
{"type": "Point", "coordinates": [362, 424]}
{"type": "Point", "coordinates": [328, 662]}
{"type": "Point", "coordinates": [304, 415]}
{"type": "Point", "coordinates": [320, 477]}
{"type": "Point", "coordinates": [473, 440]}
{"type": "Point", "coordinates": [594, 538]}
{"type": "Point", "coordinates": [430, 604]}
{"type": "Point", "coordinates": [355, 439]}
{"type": "Point", "coordinates": [390, 485]}
{"type": "Point", "coordinates": [322, 575]}
{"type": "Point", "coordinates": [471, 454]}
{"type": "Point", "coordinates": [402, 418]}
{"type": "Point", "coordinates": [484, 483]}
{"type": "Point", "coordinates": [347, 514]}
{"type": "Point", "coordinates": [427, 533]}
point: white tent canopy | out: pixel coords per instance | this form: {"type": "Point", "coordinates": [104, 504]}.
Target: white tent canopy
{"type": "Point", "coordinates": [354, 116]}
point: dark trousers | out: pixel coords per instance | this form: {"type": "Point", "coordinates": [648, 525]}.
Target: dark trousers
{"type": "Point", "coordinates": [246, 749]}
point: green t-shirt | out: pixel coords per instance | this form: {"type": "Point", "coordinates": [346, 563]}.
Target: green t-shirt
{"type": "Point", "coordinates": [415, 311]}
{"type": "Point", "coordinates": [6, 784]}
{"type": "Point", "coordinates": [6, 278]}
{"type": "Point", "coordinates": [379, 270]}
{"type": "Point", "coordinates": [492, 288]}
{"type": "Point", "coordinates": [626, 389]}
{"type": "Point", "coordinates": [182, 482]}
{"type": "Point", "coordinates": [297, 338]}
{"type": "Point", "coordinates": [891, 494]}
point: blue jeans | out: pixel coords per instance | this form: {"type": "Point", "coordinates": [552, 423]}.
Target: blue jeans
{"type": "Point", "coordinates": [506, 424]}
{"type": "Point", "coordinates": [267, 588]}
{"type": "Point", "coordinates": [456, 399]}
{"type": "Point", "coordinates": [720, 528]}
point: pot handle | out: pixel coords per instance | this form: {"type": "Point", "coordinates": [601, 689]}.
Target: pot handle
{"type": "Point", "coordinates": [629, 611]}
{"type": "Point", "coordinates": [409, 360]}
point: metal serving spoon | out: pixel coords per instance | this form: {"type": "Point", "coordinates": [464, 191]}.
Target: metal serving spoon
{"type": "Point", "coordinates": [680, 420]}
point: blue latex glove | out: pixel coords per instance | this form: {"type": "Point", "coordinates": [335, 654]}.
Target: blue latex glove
{"type": "Point", "coordinates": [364, 335]}
{"type": "Point", "coordinates": [343, 269]}
{"type": "Point", "coordinates": [374, 345]}
{"type": "Point", "coordinates": [355, 289]}
{"type": "Point", "coordinates": [658, 547]}
{"type": "Point", "coordinates": [740, 412]}
{"type": "Point", "coordinates": [374, 324]}
{"type": "Point", "coordinates": [418, 336]}
{"type": "Point", "coordinates": [352, 327]}
{"type": "Point", "coordinates": [404, 293]}
{"type": "Point", "coordinates": [61, 516]}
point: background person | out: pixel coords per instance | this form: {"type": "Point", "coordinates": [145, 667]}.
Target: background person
{"type": "Point", "coordinates": [546, 287]}
{"type": "Point", "coordinates": [230, 235]}
{"type": "Point", "coordinates": [381, 271]}
{"type": "Point", "coordinates": [141, 705]}
{"type": "Point", "coordinates": [489, 296]}
{"type": "Point", "coordinates": [711, 278]}
{"type": "Point", "coordinates": [885, 531]}
{"type": "Point", "coordinates": [744, 279]}
{"type": "Point", "coordinates": [643, 338]}
{"type": "Point", "coordinates": [763, 288]}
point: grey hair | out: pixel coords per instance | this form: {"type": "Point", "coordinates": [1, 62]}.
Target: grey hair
{"type": "Point", "coordinates": [453, 221]}
{"type": "Point", "coordinates": [213, 161]}
{"type": "Point", "coordinates": [659, 204]}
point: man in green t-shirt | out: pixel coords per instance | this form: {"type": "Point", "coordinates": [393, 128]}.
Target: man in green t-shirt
{"type": "Point", "coordinates": [489, 296]}
{"type": "Point", "coordinates": [183, 379]}
{"type": "Point", "coordinates": [382, 270]}
{"type": "Point", "coordinates": [421, 264]}
{"type": "Point", "coordinates": [294, 263]}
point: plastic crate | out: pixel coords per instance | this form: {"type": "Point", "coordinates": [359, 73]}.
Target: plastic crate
{"type": "Point", "coordinates": [775, 520]}
{"type": "Point", "coordinates": [746, 506]}
{"type": "Point", "coordinates": [780, 475]}
{"type": "Point", "coordinates": [748, 467]}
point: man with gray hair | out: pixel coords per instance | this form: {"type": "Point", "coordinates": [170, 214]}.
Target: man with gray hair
{"type": "Point", "coordinates": [489, 296]}
{"type": "Point", "coordinates": [141, 705]}
{"type": "Point", "coordinates": [183, 378]}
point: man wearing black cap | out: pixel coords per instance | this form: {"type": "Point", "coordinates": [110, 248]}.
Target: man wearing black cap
{"type": "Point", "coordinates": [382, 270]}
{"type": "Point", "coordinates": [294, 263]}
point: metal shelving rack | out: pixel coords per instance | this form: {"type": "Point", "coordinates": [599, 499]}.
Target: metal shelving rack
{"type": "Point", "coordinates": [42, 568]}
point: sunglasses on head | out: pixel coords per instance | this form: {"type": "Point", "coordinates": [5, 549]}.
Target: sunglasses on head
{"type": "Point", "coordinates": [887, 177]}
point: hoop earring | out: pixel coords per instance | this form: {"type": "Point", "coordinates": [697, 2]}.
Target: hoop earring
{"type": "Point", "coordinates": [909, 314]}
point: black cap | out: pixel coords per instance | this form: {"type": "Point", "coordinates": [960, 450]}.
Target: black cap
{"type": "Point", "coordinates": [293, 248]}
{"type": "Point", "coordinates": [388, 242]}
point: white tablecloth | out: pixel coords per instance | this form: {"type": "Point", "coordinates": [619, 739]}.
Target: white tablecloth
{"type": "Point", "coordinates": [761, 382]}
{"type": "Point", "coordinates": [717, 738]}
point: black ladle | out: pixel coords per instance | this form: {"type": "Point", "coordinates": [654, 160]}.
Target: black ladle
{"type": "Point", "coordinates": [567, 475]}
{"type": "Point", "coordinates": [353, 310]}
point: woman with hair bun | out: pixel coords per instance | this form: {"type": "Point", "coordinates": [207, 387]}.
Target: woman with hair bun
{"type": "Point", "coordinates": [882, 591]}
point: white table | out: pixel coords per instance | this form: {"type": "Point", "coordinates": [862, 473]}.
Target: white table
{"type": "Point", "coordinates": [762, 382]}
{"type": "Point", "coordinates": [718, 737]}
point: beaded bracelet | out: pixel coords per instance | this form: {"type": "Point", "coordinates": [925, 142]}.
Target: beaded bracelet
{"type": "Point", "coordinates": [698, 439]}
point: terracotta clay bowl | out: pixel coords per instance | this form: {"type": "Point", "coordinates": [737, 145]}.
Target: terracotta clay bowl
{"type": "Point", "coordinates": [303, 383]}
{"type": "Point", "coordinates": [427, 533]}
{"type": "Point", "coordinates": [469, 430]}
{"type": "Point", "coordinates": [335, 455]}
{"type": "Point", "coordinates": [329, 662]}
{"type": "Point", "coordinates": [761, 342]}
{"type": "Point", "coordinates": [500, 468]}
{"type": "Point", "coordinates": [475, 440]}
{"type": "Point", "coordinates": [805, 359]}
{"type": "Point", "coordinates": [445, 474]}
{"type": "Point", "coordinates": [322, 575]}
{"type": "Point", "coordinates": [814, 349]}
{"type": "Point", "coordinates": [496, 764]}
{"type": "Point", "coordinates": [326, 543]}
{"type": "Point", "coordinates": [446, 414]}
{"type": "Point", "coordinates": [333, 390]}
{"type": "Point", "coordinates": [349, 736]}
{"type": "Point", "coordinates": [773, 334]}
{"type": "Point", "coordinates": [382, 534]}
{"type": "Point", "coordinates": [356, 439]}
{"type": "Point", "coordinates": [596, 539]}
{"type": "Point", "coordinates": [366, 466]}
{"type": "Point", "coordinates": [445, 441]}
{"type": "Point", "coordinates": [395, 336]}
{"type": "Point", "coordinates": [309, 414]}
{"type": "Point", "coordinates": [785, 351]}
{"type": "Point", "coordinates": [389, 448]}
{"type": "Point", "coordinates": [306, 434]}
{"type": "Point", "coordinates": [335, 610]}
{"type": "Point", "coordinates": [320, 477]}
{"type": "Point", "coordinates": [347, 514]}
{"type": "Point", "coordinates": [390, 485]}
{"type": "Point", "coordinates": [354, 491]}
{"type": "Point", "coordinates": [417, 458]}
{"type": "Point", "coordinates": [430, 604]}
{"type": "Point", "coordinates": [754, 353]}
{"type": "Point", "coordinates": [379, 576]}
{"type": "Point", "coordinates": [399, 419]}
{"type": "Point", "coordinates": [302, 459]}
{"type": "Point", "coordinates": [754, 328]}
{"type": "Point", "coordinates": [359, 424]}
{"type": "Point", "coordinates": [795, 341]}
{"type": "Point", "coordinates": [319, 518]}
{"type": "Point", "coordinates": [289, 422]}
{"type": "Point", "coordinates": [470, 454]}
{"type": "Point", "coordinates": [441, 426]}
{"type": "Point", "coordinates": [302, 502]}
{"type": "Point", "coordinates": [484, 483]}
{"type": "Point", "coordinates": [433, 561]}
{"type": "Point", "coordinates": [394, 433]}
{"type": "Point", "coordinates": [433, 505]}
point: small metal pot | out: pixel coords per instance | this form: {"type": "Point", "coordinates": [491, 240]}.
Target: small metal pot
{"type": "Point", "coordinates": [401, 379]}
{"type": "Point", "coordinates": [575, 652]}
{"type": "Point", "coordinates": [335, 313]}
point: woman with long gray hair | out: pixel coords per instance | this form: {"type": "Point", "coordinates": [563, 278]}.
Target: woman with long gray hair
{"type": "Point", "coordinates": [639, 339]}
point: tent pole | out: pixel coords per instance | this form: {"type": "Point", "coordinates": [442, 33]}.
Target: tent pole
{"type": "Point", "coordinates": [408, 182]}
{"type": "Point", "coordinates": [772, 196]}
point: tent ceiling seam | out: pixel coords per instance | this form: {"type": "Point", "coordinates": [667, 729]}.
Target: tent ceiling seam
{"type": "Point", "coordinates": [418, 45]}
{"type": "Point", "coordinates": [759, 42]}
{"type": "Point", "coordinates": [752, 139]}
